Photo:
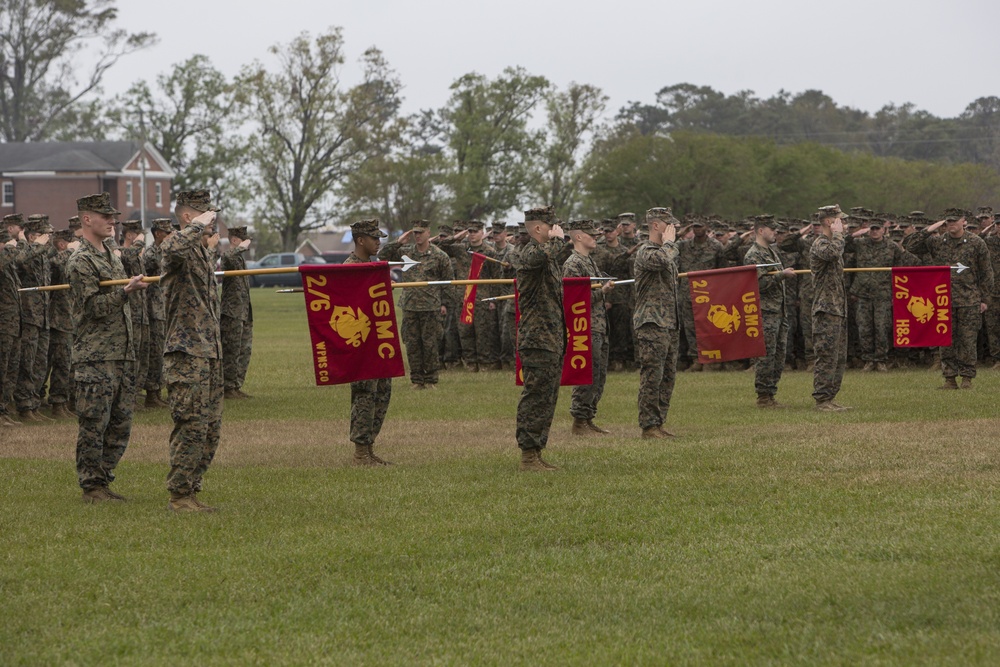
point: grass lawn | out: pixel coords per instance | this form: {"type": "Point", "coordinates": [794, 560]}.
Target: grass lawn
{"type": "Point", "coordinates": [779, 537]}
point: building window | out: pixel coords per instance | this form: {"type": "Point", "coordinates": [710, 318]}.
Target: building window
{"type": "Point", "coordinates": [8, 193]}
{"type": "Point", "coordinates": [128, 193]}
{"type": "Point", "coordinates": [159, 194]}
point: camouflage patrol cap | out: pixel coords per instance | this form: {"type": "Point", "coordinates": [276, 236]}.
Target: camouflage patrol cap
{"type": "Point", "coordinates": [609, 224]}
{"type": "Point", "coordinates": [585, 226]}
{"type": "Point", "coordinates": [420, 225]}
{"type": "Point", "coordinates": [917, 216]}
{"type": "Point", "coordinates": [661, 213]}
{"type": "Point", "coordinates": [199, 200]}
{"type": "Point", "coordinates": [952, 214]}
{"type": "Point", "coordinates": [38, 223]}
{"type": "Point", "coordinates": [972, 225]}
{"type": "Point", "coordinates": [459, 225]}
{"type": "Point", "coordinates": [162, 225]}
{"type": "Point", "coordinates": [132, 226]}
{"type": "Point", "coordinates": [240, 232]}
{"type": "Point", "coordinates": [14, 219]}
{"type": "Point", "coordinates": [97, 204]}
{"type": "Point", "coordinates": [367, 228]}
{"type": "Point", "coordinates": [984, 212]}
{"type": "Point", "coordinates": [794, 227]}
{"type": "Point", "coordinates": [760, 221]}
{"type": "Point", "coordinates": [64, 235]}
{"type": "Point", "coordinates": [474, 225]}
{"type": "Point", "coordinates": [546, 214]}
{"type": "Point", "coordinates": [447, 230]}
{"type": "Point", "coordinates": [498, 226]}
{"type": "Point", "coordinates": [74, 223]}
{"type": "Point", "coordinates": [522, 228]}
{"type": "Point", "coordinates": [626, 217]}
{"type": "Point", "coordinates": [832, 211]}
{"type": "Point", "coordinates": [875, 224]}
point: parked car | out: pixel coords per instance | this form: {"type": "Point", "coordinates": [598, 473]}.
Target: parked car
{"type": "Point", "coordinates": [282, 260]}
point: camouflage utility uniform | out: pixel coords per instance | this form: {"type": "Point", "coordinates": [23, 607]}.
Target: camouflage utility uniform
{"type": "Point", "coordinates": [586, 397]}
{"type": "Point", "coordinates": [152, 263]}
{"type": "Point", "coordinates": [10, 322]}
{"type": "Point", "coordinates": [60, 333]}
{"type": "Point", "coordinates": [35, 270]}
{"type": "Point", "coordinates": [236, 325]}
{"type": "Point", "coordinates": [773, 312]}
{"type": "Point", "coordinates": [829, 315]}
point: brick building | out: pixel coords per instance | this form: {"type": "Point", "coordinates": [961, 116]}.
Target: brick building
{"type": "Point", "coordinates": [48, 177]}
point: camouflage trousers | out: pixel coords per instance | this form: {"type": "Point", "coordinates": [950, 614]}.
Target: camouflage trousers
{"type": "Point", "coordinates": [451, 343]}
{"type": "Point", "coordinates": [991, 322]}
{"type": "Point", "coordinates": [875, 327]}
{"type": "Point", "coordinates": [687, 320]}
{"type": "Point", "coordinates": [34, 364]}
{"type": "Point", "coordinates": [806, 327]}
{"type": "Point", "coordinates": [10, 361]}
{"type": "Point", "coordinates": [105, 396]}
{"type": "Point", "coordinates": [60, 371]}
{"type": "Point", "coordinates": [541, 371]}
{"type": "Point", "coordinates": [237, 345]}
{"type": "Point", "coordinates": [194, 391]}
{"type": "Point", "coordinates": [154, 365]}
{"type": "Point", "coordinates": [586, 397]}
{"type": "Point", "coordinates": [508, 331]}
{"type": "Point", "coordinates": [369, 405]}
{"type": "Point", "coordinates": [792, 320]}
{"type": "Point", "coordinates": [767, 369]}
{"type": "Point", "coordinates": [830, 344]}
{"type": "Point", "coordinates": [421, 332]}
{"type": "Point", "coordinates": [141, 334]}
{"type": "Point", "coordinates": [481, 339]}
{"type": "Point", "coordinates": [657, 350]}
{"type": "Point", "coordinates": [620, 335]}
{"type": "Point", "coordinates": [960, 357]}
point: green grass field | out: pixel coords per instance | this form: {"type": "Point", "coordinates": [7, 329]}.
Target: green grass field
{"type": "Point", "coordinates": [780, 537]}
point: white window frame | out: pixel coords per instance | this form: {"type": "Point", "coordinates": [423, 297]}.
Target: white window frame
{"type": "Point", "coordinates": [159, 194]}
{"type": "Point", "coordinates": [3, 195]}
{"type": "Point", "coordinates": [129, 197]}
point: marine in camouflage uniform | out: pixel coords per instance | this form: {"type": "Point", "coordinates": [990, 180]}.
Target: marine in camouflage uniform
{"type": "Point", "coordinates": [773, 307]}
{"type": "Point", "coordinates": [873, 291]}
{"type": "Point", "coordinates": [424, 308]}
{"type": "Point", "coordinates": [152, 264]}
{"type": "Point", "coordinates": [505, 251]}
{"type": "Point", "coordinates": [451, 342]}
{"type": "Point", "coordinates": [581, 264]}
{"type": "Point", "coordinates": [10, 315]}
{"type": "Point", "coordinates": [35, 270]}
{"type": "Point", "coordinates": [133, 246]}
{"type": "Point", "coordinates": [541, 334]}
{"type": "Point", "coordinates": [103, 351]}
{"type": "Point", "coordinates": [801, 244]}
{"type": "Point", "coordinates": [624, 349]}
{"type": "Point", "coordinates": [481, 339]}
{"type": "Point", "coordinates": [655, 321]}
{"type": "Point", "coordinates": [192, 359]}
{"type": "Point", "coordinates": [829, 310]}
{"type": "Point", "coordinates": [369, 398]}
{"type": "Point", "coordinates": [60, 372]}
{"type": "Point", "coordinates": [970, 290]}
{"type": "Point", "coordinates": [236, 325]}
{"type": "Point", "coordinates": [613, 258]}
{"type": "Point", "coordinates": [700, 253]}
{"type": "Point", "coordinates": [991, 318]}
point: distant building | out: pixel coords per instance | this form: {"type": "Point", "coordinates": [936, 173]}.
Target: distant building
{"type": "Point", "coordinates": [48, 177]}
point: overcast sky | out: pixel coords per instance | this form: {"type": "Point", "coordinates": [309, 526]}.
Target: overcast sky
{"type": "Point", "coordinates": [864, 54]}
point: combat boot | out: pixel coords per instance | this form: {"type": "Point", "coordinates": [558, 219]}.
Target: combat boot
{"type": "Point", "coordinates": [664, 433]}
{"type": "Point", "coordinates": [27, 416]}
{"type": "Point", "coordinates": [153, 400]}
{"type": "Point", "coordinates": [545, 464]}
{"type": "Point", "coordinates": [39, 417]}
{"type": "Point", "coordinates": [935, 367]}
{"type": "Point", "coordinates": [471, 366]}
{"type": "Point", "coordinates": [202, 506]}
{"type": "Point", "coordinates": [60, 411]}
{"type": "Point", "coordinates": [375, 459]}
{"type": "Point", "coordinates": [531, 461]}
{"type": "Point", "coordinates": [98, 494]}
{"type": "Point", "coordinates": [764, 400]}
{"type": "Point", "coordinates": [416, 386]}
{"type": "Point", "coordinates": [869, 367]}
{"type": "Point", "coordinates": [652, 432]}
{"type": "Point", "coordinates": [881, 367]}
{"type": "Point", "coordinates": [231, 395]}
{"type": "Point", "coordinates": [966, 383]}
{"type": "Point", "coordinates": [243, 394]}
{"type": "Point", "coordinates": [949, 383]}
{"type": "Point", "coordinates": [695, 367]}
{"type": "Point", "coordinates": [580, 427]}
{"type": "Point", "coordinates": [114, 496]}
{"type": "Point", "coordinates": [595, 428]}
{"type": "Point", "coordinates": [828, 406]}
{"type": "Point", "coordinates": [182, 503]}
{"type": "Point", "coordinates": [362, 456]}
{"type": "Point", "coordinates": [5, 420]}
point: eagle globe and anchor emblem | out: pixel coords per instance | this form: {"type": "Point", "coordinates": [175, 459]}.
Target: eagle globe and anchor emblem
{"type": "Point", "coordinates": [921, 308]}
{"type": "Point", "coordinates": [351, 325]}
{"type": "Point", "coordinates": [726, 321]}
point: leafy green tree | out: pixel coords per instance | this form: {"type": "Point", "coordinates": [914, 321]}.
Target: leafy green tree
{"type": "Point", "coordinates": [489, 145]}
{"type": "Point", "coordinates": [312, 132]}
{"type": "Point", "coordinates": [40, 41]}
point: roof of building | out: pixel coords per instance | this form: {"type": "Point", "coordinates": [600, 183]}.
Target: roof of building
{"type": "Point", "coordinates": [71, 156]}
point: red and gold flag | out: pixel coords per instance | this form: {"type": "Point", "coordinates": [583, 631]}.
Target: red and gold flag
{"type": "Point", "coordinates": [469, 302]}
{"type": "Point", "coordinates": [352, 322]}
{"type": "Point", "coordinates": [578, 361]}
{"type": "Point", "coordinates": [726, 304]}
{"type": "Point", "coordinates": [921, 306]}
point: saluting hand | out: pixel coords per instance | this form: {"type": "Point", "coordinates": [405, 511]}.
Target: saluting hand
{"type": "Point", "coordinates": [244, 244]}
{"type": "Point", "coordinates": [72, 245]}
{"type": "Point", "coordinates": [556, 232]}
{"type": "Point", "coordinates": [213, 241]}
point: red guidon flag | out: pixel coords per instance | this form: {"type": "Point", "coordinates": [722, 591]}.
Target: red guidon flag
{"type": "Point", "coordinates": [578, 360]}
{"type": "Point", "coordinates": [726, 304]}
{"type": "Point", "coordinates": [352, 322]}
{"type": "Point", "coordinates": [469, 302]}
{"type": "Point", "coordinates": [921, 306]}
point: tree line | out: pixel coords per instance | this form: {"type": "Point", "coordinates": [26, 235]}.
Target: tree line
{"type": "Point", "coordinates": [295, 148]}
